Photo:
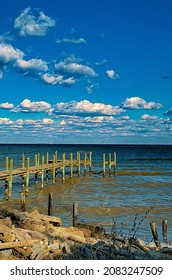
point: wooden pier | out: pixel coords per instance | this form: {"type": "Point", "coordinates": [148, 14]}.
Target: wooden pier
{"type": "Point", "coordinates": [43, 166]}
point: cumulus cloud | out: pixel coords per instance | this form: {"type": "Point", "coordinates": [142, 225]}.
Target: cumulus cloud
{"type": "Point", "coordinates": [47, 121]}
{"type": "Point", "coordinates": [139, 103]}
{"type": "Point", "coordinates": [84, 108]}
{"type": "Point", "coordinates": [148, 117]}
{"type": "Point", "coordinates": [28, 106]}
{"type": "Point", "coordinates": [8, 54]}
{"type": "Point", "coordinates": [67, 67]}
{"type": "Point", "coordinates": [71, 40]}
{"type": "Point", "coordinates": [30, 66]}
{"type": "Point", "coordinates": [5, 121]}
{"type": "Point", "coordinates": [28, 25]}
{"type": "Point", "coordinates": [112, 74]}
{"type": "Point", "coordinates": [6, 105]}
{"type": "Point", "coordinates": [57, 80]}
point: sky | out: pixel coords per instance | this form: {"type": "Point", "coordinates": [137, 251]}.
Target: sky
{"type": "Point", "coordinates": [95, 71]}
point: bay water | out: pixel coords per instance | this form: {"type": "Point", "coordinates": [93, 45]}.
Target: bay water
{"type": "Point", "coordinates": [139, 193]}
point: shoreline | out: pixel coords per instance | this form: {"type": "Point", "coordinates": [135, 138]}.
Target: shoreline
{"type": "Point", "coordinates": [33, 236]}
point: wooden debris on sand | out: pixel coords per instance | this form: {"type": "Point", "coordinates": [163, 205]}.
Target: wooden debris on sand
{"type": "Point", "coordinates": [35, 236]}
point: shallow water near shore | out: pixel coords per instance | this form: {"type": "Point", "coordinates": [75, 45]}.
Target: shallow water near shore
{"type": "Point", "coordinates": [139, 192]}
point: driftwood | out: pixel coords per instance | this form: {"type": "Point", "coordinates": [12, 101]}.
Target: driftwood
{"type": "Point", "coordinates": [13, 245]}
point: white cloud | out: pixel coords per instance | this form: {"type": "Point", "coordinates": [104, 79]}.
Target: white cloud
{"type": "Point", "coordinates": [31, 65]}
{"type": "Point", "coordinates": [84, 108]}
{"type": "Point", "coordinates": [6, 105]}
{"type": "Point", "coordinates": [28, 106]}
{"type": "Point", "coordinates": [148, 117]}
{"type": "Point", "coordinates": [8, 54]}
{"type": "Point", "coordinates": [28, 25]}
{"type": "Point", "coordinates": [74, 68]}
{"type": "Point", "coordinates": [112, 74]}
{"type": "Point", "coordinates": [47, 121]}
{"type": "Point", "coordinates": [139, 103]}
{"type": "Point", "coordinates": [5, 121]}
{"type": "Point", "coordinates": [71, 40]}
{"type": "Point", "coordinates": [57, 80]}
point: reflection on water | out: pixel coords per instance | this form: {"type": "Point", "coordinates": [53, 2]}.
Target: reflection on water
{"type": "Point", "coordinates": [143, 180]}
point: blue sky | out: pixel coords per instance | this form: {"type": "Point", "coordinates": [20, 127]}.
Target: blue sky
{"type": "Point", "coordinates": [86, 71]}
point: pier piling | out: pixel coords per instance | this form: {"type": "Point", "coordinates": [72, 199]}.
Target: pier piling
{"type": "Point", "coordinates": [155, 234]}
{"type": "Point", "coordinates": [75, 213]}
{"type": "Point", "coordinates": [63, 168]}
{"type": "Point", "coordinates": [50, 204]}
{"type": "Point", "coordinates": [27, 174]}
{"type": "Point", "coordinates": [10, 180]}
{"type": "Point", "coordinates": [79, 163]}
{"type": "Point", "coordinates": [90, 164]}
{"type": "Point", "coordinates": [71, 165]}
{"type": "Point", "coordinates": [6, 163]}
{"type": "Point", "coordinates": [54, 170]}
{"type": "Point", "coordinates": [42, 172]}
{"type": "Point", "coordinates": [164, 230]}
{"type": "Point", "coordinates": [114, 163]}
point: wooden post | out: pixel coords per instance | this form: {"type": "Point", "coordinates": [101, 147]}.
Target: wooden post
{"type": "Point", "coordinates": [23, 202]}
{"type": "Point", "coordinates": [85, 163]}
{"type": "Point", "coordinates": [23, 160]}
{"type": "Point", "coordinates": [155, 234]}
{"type": "Point", "coordinates": [6, 163]}
{"type": "Point", "coordinates": [10, 181]}
{"type": "Point", "coordinates": [104, 165]}
{"type": "Point", "coordinates": [27, 174]}
{"type": "Point", "coordinates": [71, 165]}
{"type": "Point", "coordinates": [47, 158]}
{"type": "Point", "coordinates": [42, 172]}
{"type": "Point", "coordinates": [75, 213]}
{"type": "Point", "coordinates": [114, 162]}
{"type": "Point", "coordinates": [110, 163]}
{"type": "Point", "coordinates": [90, 164]}
{"type": "Point", "coordinates": [55, 156]}
{"type": "Point", "coordinates": [79, 163]}
{"type": "Point", "coordinates": [36, 160]}
{"type": "Point", "coordinates": [50, 204]}
{"type": "Point", "coordinates": [6, 181]}
{"type": "Point", "coordinates": [54, 170]}
{"type": "Point", "coordinates": [164, 230]}
{"type": "Point", "coordinates": [63, 168]}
